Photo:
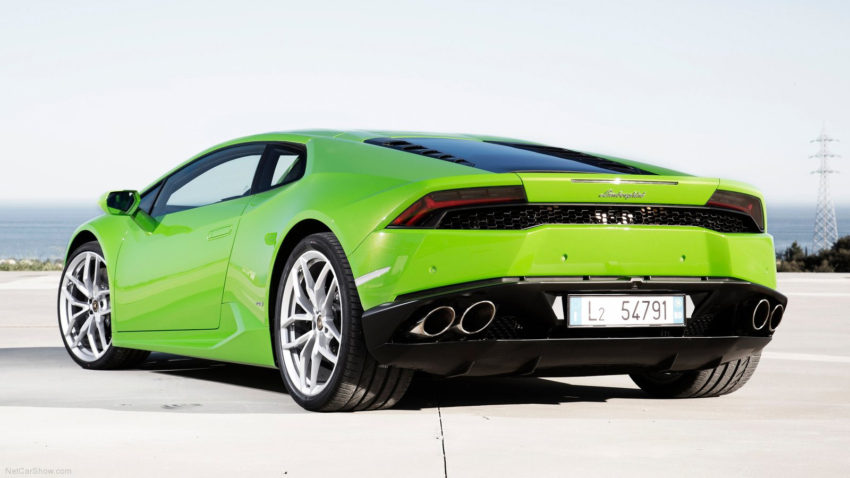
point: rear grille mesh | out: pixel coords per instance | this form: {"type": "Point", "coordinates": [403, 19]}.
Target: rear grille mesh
{"type": "Point", "coordinates": [525, 216]}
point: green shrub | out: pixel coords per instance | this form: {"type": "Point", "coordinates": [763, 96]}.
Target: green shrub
{"type": "Point", "coordinates": [834, 259]}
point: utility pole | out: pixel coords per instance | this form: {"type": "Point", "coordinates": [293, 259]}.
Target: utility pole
{"type": "Point", "coordinates": [826, 228]}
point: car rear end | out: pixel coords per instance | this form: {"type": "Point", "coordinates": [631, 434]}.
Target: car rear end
{"type": "Point", "coordinates": [616, 267]}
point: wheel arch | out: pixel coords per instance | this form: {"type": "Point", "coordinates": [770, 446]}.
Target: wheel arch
{"type": "Point", "coordinates": [108, 231]}
{"type": "Point", "coordinates": [81, 237]}
{"type": "Point", "coordinates": [299, 231]}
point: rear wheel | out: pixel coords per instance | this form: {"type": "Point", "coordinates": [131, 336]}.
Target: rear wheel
{"type": "Point", "coordinates": [721, 380]}
{"type": "Point", "coordinates": [319, 343]}
{"type": "Point", "coordinates": [85, 313]}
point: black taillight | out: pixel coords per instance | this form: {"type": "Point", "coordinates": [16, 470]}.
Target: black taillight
{"type": "Point", "coordinates": [741, 202]}
{"type": "Point", "coordinates": [419, 211]}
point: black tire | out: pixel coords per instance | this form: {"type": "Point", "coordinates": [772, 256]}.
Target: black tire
{"type": "Point", "coordinates": [357, 382]}
{"type": "Point", "coordinates": [721, 380]}
{"type": "Point", "coordinates": [114, 357]}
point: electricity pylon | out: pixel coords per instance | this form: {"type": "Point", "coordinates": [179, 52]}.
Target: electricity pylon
{"type": "Point", "coordinates": [826, 228]}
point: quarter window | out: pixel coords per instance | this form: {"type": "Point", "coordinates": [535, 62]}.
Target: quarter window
{"type": "Point", "coordinates": [283, 165]}
{"type": "Point", "coordinates": [283, 168]}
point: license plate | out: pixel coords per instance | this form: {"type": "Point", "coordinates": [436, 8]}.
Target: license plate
{"type": "Point", "coordinates": [626, 310]}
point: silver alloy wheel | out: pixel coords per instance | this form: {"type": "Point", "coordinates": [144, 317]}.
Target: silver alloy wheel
{"type": "Point", "coordinates": [85, 312]}
{"type": "Point", "coordinates": [310, 323]}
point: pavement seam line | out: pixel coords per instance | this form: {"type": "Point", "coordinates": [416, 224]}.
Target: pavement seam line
{"type": "Point", "coordinates": [442, 441]}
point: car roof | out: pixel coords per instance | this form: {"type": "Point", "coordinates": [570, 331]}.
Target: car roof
{"type": "Point", "coordinates": [360, 136]}
{"type": "Point", "coordinates": [363, 135]}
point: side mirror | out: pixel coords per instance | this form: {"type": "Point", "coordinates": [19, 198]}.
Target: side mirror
{"type": "Point", "coordinates": [120, 203]}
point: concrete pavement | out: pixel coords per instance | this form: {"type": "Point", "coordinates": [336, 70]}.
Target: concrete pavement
{"type": "Point", "coordinates": [186, 417]}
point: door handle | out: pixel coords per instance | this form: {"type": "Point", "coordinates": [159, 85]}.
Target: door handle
{"type": "Point", "coordinates": [219, 232]}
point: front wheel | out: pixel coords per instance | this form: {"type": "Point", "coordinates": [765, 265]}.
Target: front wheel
{"type": "Point", "coordinates": [85, 313]}
{"type": "Point", "coordinates": [318, 340]}
{"type": "Point", "coordinates": [721, 380]}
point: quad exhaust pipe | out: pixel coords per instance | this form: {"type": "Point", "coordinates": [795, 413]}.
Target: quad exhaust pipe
{"type": "Point", "coordinates": [435, 323]}
{"type": "Point", "coordinates": [440, 320]}
{"type": "Point", "coordinates": [764, 316]}
{"type": "Point", "coordinates": [476, 317]}
{"type": "Point", "coordinates": [761, 314]}
{"type": "Point", "coordinates": [776, 317]}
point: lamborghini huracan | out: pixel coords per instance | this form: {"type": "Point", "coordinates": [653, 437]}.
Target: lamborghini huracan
{"type": "Point", "coordinates": [349, 260]}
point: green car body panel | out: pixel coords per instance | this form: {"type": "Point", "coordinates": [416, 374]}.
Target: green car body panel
{"type": "Point", "coordinates": [201, 282]}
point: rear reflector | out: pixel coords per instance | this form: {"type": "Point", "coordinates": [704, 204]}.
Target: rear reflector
{"type": "Point", "coordinates": [741, 202]}
{"type": "Point", "coordinates": [415, 214]}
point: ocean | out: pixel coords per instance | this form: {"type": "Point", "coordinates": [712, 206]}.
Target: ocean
{"type": "Point", "coordinates": [796, 223]}
{"type": "Point", "coordinates": [42, 232]}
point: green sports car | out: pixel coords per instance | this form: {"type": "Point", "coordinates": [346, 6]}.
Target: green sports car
{"type": "Point", "coordinates": [349, 260]}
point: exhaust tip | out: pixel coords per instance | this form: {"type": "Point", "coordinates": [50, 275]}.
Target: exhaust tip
{"type": "Point", "coordinates": [761, 314]}
{"type": "Point", "coordinates": [436, 322]}
{"type": "Point", "coordinates": [476, 317]}
{"type": "Point", "coordinates": [776, 317]}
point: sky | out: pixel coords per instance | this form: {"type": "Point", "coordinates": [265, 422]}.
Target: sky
{"type": "Point", "coordinates": [98, 96]}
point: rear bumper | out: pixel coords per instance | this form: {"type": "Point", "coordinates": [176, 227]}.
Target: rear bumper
{"type": "Point", "coordinates": [528, 336]}
{"type": "Point", "coordinates": [564, 357]}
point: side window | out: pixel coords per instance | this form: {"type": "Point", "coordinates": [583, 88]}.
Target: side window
{"type": "Point", "coordinates": [147, 199]}
{"type": "Point", "coordinates": [228, 180]}
{"type": "Point", "coordinates": [223, 175]}
{"type": "Point", "coordinates": [283, 165]}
